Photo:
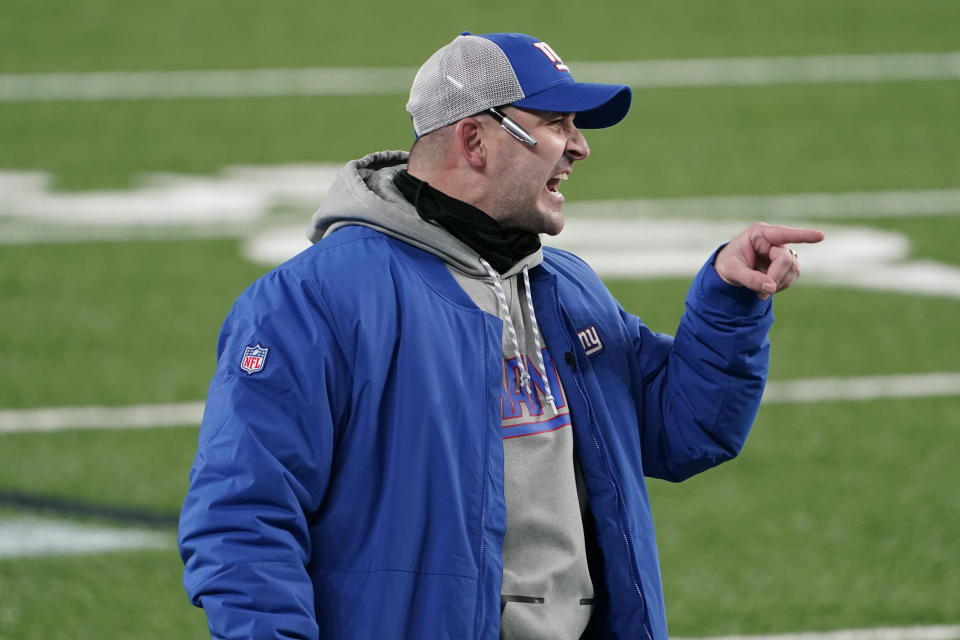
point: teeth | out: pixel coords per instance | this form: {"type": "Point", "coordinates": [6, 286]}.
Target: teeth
{"type": "Point", "coordinates": [562, 176]}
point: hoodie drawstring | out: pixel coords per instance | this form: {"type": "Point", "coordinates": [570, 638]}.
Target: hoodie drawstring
{"type": "Point", "coordinates": [536, 339]}
{"type": "Point", "coordinates": [512, 332]}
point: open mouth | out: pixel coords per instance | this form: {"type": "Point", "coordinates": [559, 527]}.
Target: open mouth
{"type": "Point", "coordinates": [553, 184]}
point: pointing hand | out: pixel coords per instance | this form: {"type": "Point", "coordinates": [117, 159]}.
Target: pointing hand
{"type": "Point", "coordinates": [759, 258]}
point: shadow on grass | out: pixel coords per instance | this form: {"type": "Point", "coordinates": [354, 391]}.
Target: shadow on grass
{"type": "Point", "coordinates": [77, 508]}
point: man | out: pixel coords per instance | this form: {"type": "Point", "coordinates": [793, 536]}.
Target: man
{"type": "Point", "coordinates": [428, 426]}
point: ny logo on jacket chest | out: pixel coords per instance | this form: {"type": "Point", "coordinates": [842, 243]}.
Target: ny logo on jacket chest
{"type": "Point", "coordinates": [590, 339]}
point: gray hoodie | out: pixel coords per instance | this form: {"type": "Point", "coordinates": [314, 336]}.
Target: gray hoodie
{"type": "Point", "coordinates": [546, 591]}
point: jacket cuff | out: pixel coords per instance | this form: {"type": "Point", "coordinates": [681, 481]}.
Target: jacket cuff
{"type": "Point", "coordinates": [727, 298]}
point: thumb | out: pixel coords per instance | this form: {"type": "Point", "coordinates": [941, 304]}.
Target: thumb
{"type": "Point", "coordinates": [741, 275]}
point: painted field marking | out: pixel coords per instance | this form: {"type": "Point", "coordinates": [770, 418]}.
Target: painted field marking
{"type": "Point", "coordinates": [857, 257]}
{"type": "Point", "coordinates": [176, 85]}
{"type": "Point", "coordinates": [28, 536]}
{"type": "Point", "coordinates": [715, 72]}
{"type": "Point", "coordinates": [326, 81]}
{"type": "Point", "coordinates": [801, 390]}
{"type": "Point", "coordinates": [852, 256]}
{"type": "Point", "coordinates": [236, 195]}
{"type": "Point", "coordinates": [919, 385]}
{"type": "Point", "coordinates": [651, 237]}
{"type": "Point", "coordinates": [248, 194]}
{"type": "Point", "coordinates": [934, 632]}
{"type": "Point", "coordinates": [143, 416]}
{"type": "Point", "coordinates": [851, 204]}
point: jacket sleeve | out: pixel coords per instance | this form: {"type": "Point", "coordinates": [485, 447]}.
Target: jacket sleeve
{"type": "Point", "coordinates": [262, 465]}
{"type": "Point", "coordinates": [701, 390]}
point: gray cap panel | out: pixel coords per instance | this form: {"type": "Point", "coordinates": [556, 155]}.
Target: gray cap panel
{"type": "Point", "coordinates": [469, 75]}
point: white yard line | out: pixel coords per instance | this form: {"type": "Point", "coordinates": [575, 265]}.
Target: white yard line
{"type": "Point", "coordinates": [715, 72]}
{"type": "Point", "coordinates": [783, 206]}
{"type": "Point", "coordinates": [921, 385]}
{"type": "Point", "coordinates": [325, 81]}
{"type": "Point", "coordinates": [172, 85]}
{"type": "Point", "coordinates": [41, 537]}
{"type": "Point", "coordinates": [938, 632]}
{"type": "Point", "coordinates": [142, 416]}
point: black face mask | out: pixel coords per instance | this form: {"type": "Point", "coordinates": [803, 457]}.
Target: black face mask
{"type": "Point", "coordinates": [501, 247]}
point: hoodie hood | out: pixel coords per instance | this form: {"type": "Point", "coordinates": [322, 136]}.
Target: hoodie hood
{"type": "Point", "coordinates": [364, 193]}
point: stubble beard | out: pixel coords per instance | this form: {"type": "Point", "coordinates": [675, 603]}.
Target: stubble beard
{"type": "Point", "coordinates": [518, 209]}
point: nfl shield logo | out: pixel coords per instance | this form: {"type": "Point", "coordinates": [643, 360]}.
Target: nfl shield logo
{"type": "Point", "coordinates": [253, 359]}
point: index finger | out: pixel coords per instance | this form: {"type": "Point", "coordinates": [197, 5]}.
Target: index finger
{"type": "Point", "coordinates": [780, 235]}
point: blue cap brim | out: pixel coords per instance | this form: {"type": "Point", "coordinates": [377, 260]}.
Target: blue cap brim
{"type": "Point", "coordinates": [596, 105]}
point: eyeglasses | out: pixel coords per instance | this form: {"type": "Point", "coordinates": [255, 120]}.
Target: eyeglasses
{"type": "Point", "coordinates": [512, 127]}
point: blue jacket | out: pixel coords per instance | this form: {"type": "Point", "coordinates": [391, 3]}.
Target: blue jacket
{"type": "Point", "coordinates": [352, 486]}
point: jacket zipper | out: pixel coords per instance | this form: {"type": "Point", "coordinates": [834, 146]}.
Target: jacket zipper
{"type": "Point", "coordinates": [624, 528]}
{"type": "Point", "coordinates": [486, 482]}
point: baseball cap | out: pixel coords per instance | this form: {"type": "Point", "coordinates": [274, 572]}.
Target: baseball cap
{"type": "Point", "coordinates": [476, 72]}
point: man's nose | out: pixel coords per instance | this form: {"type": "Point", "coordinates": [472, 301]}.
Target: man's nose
{"type": "Point", "coordinates": [577, 147]}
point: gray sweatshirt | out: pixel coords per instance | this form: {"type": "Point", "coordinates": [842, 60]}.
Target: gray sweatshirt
{"type": "Point", "coordinates": [546, 591]}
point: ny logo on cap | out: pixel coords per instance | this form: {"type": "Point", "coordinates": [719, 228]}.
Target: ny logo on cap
{"type": "Point", "coordinates": [552, 55]}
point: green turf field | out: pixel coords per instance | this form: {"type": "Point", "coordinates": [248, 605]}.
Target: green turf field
{"type": "Point", "coordinates": [837, 515]}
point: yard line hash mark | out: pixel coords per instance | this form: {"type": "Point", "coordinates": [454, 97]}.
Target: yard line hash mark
{"type": "Point", "coordinates": [343, 81]}
{"type": "Point", "coordinates": [920, 385]}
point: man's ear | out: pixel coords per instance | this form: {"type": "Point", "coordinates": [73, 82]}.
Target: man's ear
{"type": "Point", "coordinates": [468, 134]}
